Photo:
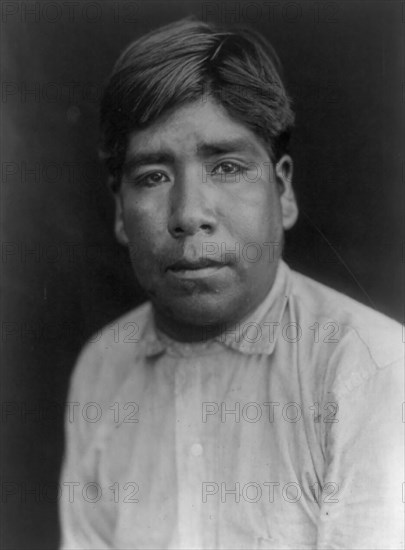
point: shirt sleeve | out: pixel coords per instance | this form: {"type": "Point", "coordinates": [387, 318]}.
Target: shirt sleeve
{"type": "Point", "coordinates": [361, 502]}
{"type": "Point", "coordinates": [85, 511]}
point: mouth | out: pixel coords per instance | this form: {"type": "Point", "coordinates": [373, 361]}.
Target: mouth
{"type": "Point", "coordinates": [195, 269]}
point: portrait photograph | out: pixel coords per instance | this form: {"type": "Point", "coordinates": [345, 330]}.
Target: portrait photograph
{"type": "Point", "coordinates": [202, 274]}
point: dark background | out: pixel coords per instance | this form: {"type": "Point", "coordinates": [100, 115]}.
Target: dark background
{"type": "Point", "coordinates": [65, 277]}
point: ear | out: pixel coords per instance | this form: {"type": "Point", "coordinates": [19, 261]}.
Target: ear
{"type": "Point", "coordinates": [284, 174]}
{"type": "Point", "coordinates": [119, 225]}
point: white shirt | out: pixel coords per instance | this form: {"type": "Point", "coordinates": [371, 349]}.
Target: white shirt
{"type": "Point", "coordinates": [284, 433]}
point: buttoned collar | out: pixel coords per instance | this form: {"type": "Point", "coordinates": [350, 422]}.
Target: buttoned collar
{"type": "Point", "coordinates": [257, 334]}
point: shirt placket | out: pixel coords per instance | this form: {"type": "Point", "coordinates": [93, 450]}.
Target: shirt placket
{"type": "Point", "coordinates": [191, 457]}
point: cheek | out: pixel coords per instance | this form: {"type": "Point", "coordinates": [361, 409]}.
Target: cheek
{"type": "Point", "coordinates": [255, 216]}
{"type": "Point", "coordinates": [268, 212]}
{"type": "Point", "coordinates": [145, 230]}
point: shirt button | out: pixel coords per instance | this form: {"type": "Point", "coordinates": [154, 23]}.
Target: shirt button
{"type": "Point", "coordinates": [196, 449]}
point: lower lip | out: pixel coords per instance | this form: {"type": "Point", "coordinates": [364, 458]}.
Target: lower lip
{"type": "Point", "coordinates": [202, 273]}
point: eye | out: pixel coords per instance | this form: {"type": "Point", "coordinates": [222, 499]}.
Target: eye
{"type": "Point", "coordinates": [227, 168]}
{"type": "Point", "coordinates": [152, 179]}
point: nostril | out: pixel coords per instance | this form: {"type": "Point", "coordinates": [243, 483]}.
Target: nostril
{"type": "Point", "coordinates": [205, 227]}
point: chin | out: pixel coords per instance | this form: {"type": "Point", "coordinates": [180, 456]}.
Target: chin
{"type": "Point", "coordinates": [201, 311]}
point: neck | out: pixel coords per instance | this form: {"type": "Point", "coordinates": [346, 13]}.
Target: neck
{"type": "Point", "coordinates": [187, 333]}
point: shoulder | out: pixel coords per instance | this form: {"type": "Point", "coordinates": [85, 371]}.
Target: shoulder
{"type": "Point", "coordinates": [356, 346]}
{"type": "Point", "coordinates": [357, 325]}
{"type": "Point", "coordinates": [111, 354]}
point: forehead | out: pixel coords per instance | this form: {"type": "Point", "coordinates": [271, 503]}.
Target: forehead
{"type": "Point", "coordinates": [200, 128]}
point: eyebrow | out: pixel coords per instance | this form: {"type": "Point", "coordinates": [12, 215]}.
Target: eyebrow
{"type": "Point", "coordinates": [204, 150]}
{"type": "Point", "coordinates": [145, 159]}
{"type": "Point", "coordinates": [224, 146]}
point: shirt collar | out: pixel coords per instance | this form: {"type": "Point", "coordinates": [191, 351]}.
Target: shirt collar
{"type": "Point", "coordinates": [257, 334]}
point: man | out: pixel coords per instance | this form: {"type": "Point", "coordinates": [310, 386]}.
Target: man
{"type": "Point", "coordinates": [245, 405]}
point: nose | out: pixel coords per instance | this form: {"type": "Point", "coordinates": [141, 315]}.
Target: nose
{"type": "Point", "coordinates": [191, 208]}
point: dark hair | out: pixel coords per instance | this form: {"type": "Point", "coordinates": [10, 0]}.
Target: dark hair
{"type": "Point", "coordinates": [188, 60]}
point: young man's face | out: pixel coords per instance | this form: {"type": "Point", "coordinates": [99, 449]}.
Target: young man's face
{"type": "Point", "coordinates": [203, 209]}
